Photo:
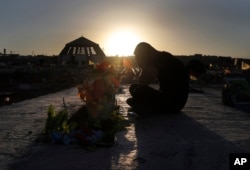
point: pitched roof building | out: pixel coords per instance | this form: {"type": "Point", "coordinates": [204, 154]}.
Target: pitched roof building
{"type": "Point", "coordinates": [80, 51]}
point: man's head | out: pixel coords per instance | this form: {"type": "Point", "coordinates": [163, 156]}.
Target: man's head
{"type": "Point", "coordinates": [145, 54]}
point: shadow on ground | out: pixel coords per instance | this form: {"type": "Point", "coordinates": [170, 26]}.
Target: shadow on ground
{"type": "Point", "coordinates": [159, 141]}
{"type": "Point", "coordinates": [179, 142]}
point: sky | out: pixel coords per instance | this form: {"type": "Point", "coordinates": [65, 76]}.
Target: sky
{"type": "Point", "coordinates": [181, 27]}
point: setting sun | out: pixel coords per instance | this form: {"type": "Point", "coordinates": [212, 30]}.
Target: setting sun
{"type": "Point", "coordinates": [121, 43]}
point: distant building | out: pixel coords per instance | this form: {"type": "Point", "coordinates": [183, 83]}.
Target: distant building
{"type": "Point", "coordinates": [81, 52]}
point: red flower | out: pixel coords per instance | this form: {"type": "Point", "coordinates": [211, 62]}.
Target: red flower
{"type": "Point", "coordinates": [115, 82]}
{"type": "Point", "coordinates": [98, 89]}
{"type": "Point", "coordinates": [127, 63]}
{"type": "Point", "coordinates": [102, 66]}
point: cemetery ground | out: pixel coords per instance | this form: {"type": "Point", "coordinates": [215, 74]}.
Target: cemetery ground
{"type": "Point", "coordinates": [200, 137]}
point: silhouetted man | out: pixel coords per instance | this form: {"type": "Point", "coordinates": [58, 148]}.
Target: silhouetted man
{"type": "Point", "coordinates": [173, 81]}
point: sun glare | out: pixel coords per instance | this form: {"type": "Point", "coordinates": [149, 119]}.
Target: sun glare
{"type": "Point", "coordinates": [121, 43]}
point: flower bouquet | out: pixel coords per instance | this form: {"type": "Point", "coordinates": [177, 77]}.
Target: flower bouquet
{"type": "Point", "coordinates": [99, 89]}
{"type": "Point", "coordinates": [97, 121]}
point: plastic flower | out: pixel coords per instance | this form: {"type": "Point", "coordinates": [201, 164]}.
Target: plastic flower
{"type": "Point", "coordinates": [98, 90]}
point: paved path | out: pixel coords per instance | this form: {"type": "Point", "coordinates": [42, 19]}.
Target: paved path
{"type": "Point", "coordinates": [201, 137]}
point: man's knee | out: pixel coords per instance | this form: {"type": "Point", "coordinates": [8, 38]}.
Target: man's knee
{"type": "Point", "coordinates": [132, 88]}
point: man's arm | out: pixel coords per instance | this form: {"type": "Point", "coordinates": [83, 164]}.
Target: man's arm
{"type": "Point", "coordinates": [148, 75]}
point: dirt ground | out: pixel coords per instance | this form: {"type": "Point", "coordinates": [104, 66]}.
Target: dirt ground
{"type": "Point", "coordinates": [22, 84]}
{"type": "Point", "coordinates": [200, 137]}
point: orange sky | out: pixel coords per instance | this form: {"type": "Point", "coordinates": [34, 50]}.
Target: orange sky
{"type": "Point", "coordinates": [179, 26]}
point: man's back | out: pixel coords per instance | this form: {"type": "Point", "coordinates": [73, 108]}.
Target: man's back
{"type": "Point", "coordinates": [173, 78]}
